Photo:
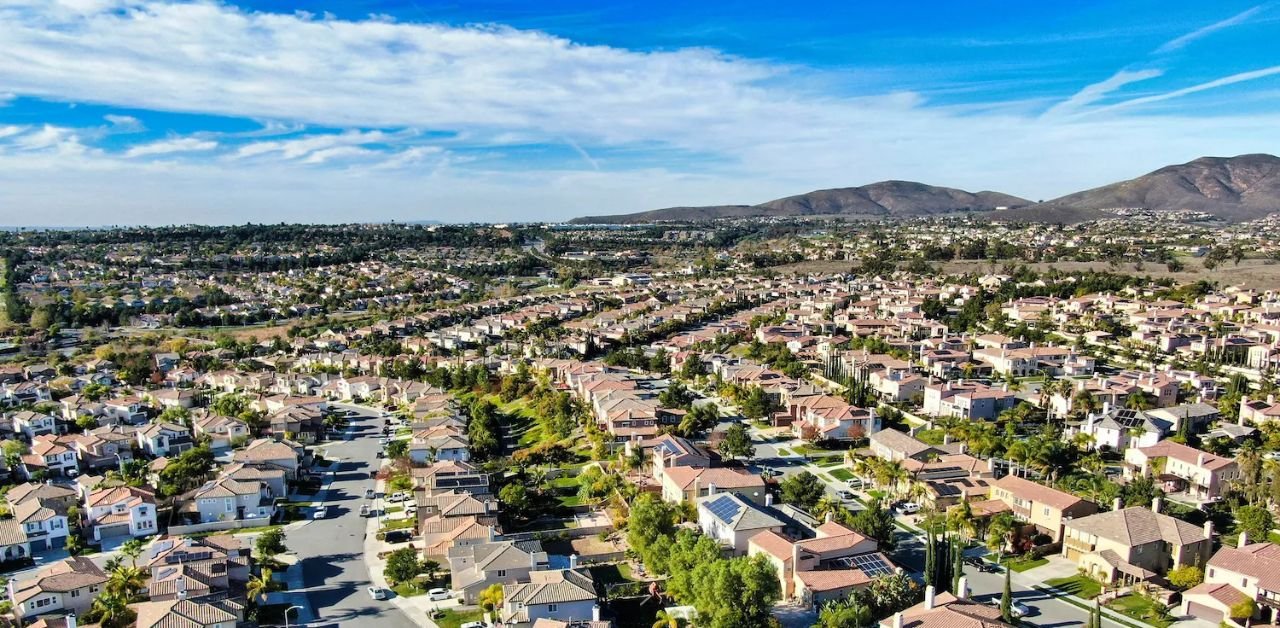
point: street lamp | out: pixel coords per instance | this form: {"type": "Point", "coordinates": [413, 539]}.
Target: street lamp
{"type": "Point", "coordinates": [286, 614]}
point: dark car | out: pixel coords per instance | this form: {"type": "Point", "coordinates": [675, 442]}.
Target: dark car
{"type": "Point", "coordinates": [398, 536]}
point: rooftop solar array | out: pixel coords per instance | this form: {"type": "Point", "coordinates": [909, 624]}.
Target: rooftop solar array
{"type": "Point", "coordinates": [871, 564]}
{"type": "Point", "coordinates": [724, 508]}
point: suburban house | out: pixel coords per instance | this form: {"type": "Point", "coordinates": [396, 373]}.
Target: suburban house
{"type": "Point", "coordinates": [967, 400]}
{"type": "Point", "coordinates": [121, 511]}
{"type": "Point", "coordinates": [45, 526]}
{"type": "Point", "coordinates": [559, 594]}
{"type": "Point", "coordinates": [1235, 574]}
{"type": "Point", "coordinates": [890, 444]}
{"type": "Point", "coordinates": [475, 567]}
{"type": "Point", "coordinates": [673, 451]}
{"type": "Point", "coordinates": [271, 452]}
{"type": "Point", "coordinates": [1045, 508]}
{"type": "Point", "coordinates": [1122, 428]}
{"type": "Point", "coordinates": [189, 613]}
{"type": "Point", "coordinates": [1135, 544]}
{"type": "Point", "coordinates": [687, 484]}
{"type": "Point", "coordinates": [1184, 469]}
{"type": "Point", "coordinates": [222, 431]}
{"type": "Point", "coordinates": [225, 499]}
{"type": "Point", "coordinates": [945, 610]}
{"type": "Point", "coordinates": [733, 520]}
{"type": "Point", "coordinates": [67, 586]}
{"type": "Point", "coordinates": [837, 561]}
{"type": "Point", "coordinates": [50, 455]}
{"type": "Point", "coordinates": [165, 439]}
{"type": "Point", "coordinates": [32, 424]}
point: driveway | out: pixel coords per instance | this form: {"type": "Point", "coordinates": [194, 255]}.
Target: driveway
{"type": "Point", "coordinates": [330, 551]}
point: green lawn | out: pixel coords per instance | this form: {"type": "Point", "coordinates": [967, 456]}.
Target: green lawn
{"type": "Point", "coordinates": [1021, 564]}
{"type": "Point", "coordinates": [408, 589]}
{"type": "Point", "coordinates": [810, 450]}
{"type": "Point", "coordinates": [1079, 585]}
{"type": "Point", "coordinates": [844, 475]}
{"type": "Point", "coordinates": [453, 619]}
{"type": "Point", "coordinates": [399, 524]}
{"type": "Point", "coordinates": [564, 481]}
{"type": "Point", "coordinates": [569, 501]}
{"type": "Point", "coordinates": [1139, 608]}
{"type": "Point", "coordinates": [783, 451]}
{"type": "Point", "coordinates": [391, 509]}
{"type": "Point", "coordinates": [932, 437]}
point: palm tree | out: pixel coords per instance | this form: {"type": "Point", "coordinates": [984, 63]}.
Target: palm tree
{"type": "Point", "coordinates": [126, 582]}
{"type": "Point", "coordinates": [667, 620]}
{"type": "Point", "coordinates": [259, 586]}
{"type": "Point", "coordinates": [132, 549]}
{"type": "Point", "coordinates": [112, 609]}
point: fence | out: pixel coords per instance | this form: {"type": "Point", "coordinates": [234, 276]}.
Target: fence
{"type": "Point", "coordinates": [218, 526]}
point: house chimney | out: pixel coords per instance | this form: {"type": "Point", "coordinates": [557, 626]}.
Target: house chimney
{"type": "Point", "coordinates": [70, 620]}
{"type": "Point", "coordinates": [182, 589]}
{"type": "Point", "coordinates": [1117, 504]}
{"type": "Point", "coordinates": [1155, 505]}
{"type": "Point", "coordinates": [1200, 459]}
{"type": "Point", "coordinates": [1208, 529]}
{"type": "Point", "coordinates": [962, 591]}
{"type": "Point", "coordinates": [595, 612]}
{"type": "Point", "coordinates": [711, 488]}
{"type": "Point", "coordinates": [897, 619]}
{"type": "Point", "coordinates": [573, 561]}
{"type": "Point", "coordinates": [1244, 539]}
{"type": "Point", "coordinates": [1106, 407]}
{"type": "Point", "coordinates": [928, 598]}
{"type": "Point", "coordinates": [828, 518]}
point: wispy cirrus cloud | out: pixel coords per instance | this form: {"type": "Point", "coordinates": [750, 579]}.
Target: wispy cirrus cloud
{"type": "Point", "coordinates": [171, 146]}
{"type": "Point", "coordinates": [1097, 91]}
{"type": "Point", "coordinates": [1204, 31]}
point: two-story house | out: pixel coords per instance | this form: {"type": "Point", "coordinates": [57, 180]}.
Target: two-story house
{"type": "Point", "coordinates": [1184, 469]}
{"type": "Point", "coordinates": [732, 520]}
{"type": "Point", "coordinates": [225, 499]}
{"type": "Point", "coordinates": [1249, 571]}
{"type": "Point", "coordinates": [165, 439]}
{"type": "Point", "coordinates": [687, 484]}
{"type": "Point", "coordinates": [121, 511]}
{"type": "Point", "coordinates": [50, 455]}
{"type": "Point", "coordinates": [1134, 544]}
{"type": "Point", "coordinates": [32, 424]}
{"type": "Point", "coordinates": [1047, 509]}
{"type": "Point", "coordinates": [45, 526]}
{"type": "Point", "coordinates": [221, 431]}
{"type": "Point", "coordinates": [559, 594]}
{"type": "Point", "coordinates": [473, 568]}
{"type": "Point", "coordinates": [67, 586]}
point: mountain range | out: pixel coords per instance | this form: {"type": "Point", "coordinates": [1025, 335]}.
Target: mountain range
{"type": "Point", "coordinates": [1232, 189]}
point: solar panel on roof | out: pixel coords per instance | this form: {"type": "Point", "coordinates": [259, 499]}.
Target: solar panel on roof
{"type": "Point", "coordinates": [724, 508]}
{"type": "Point", "coordinates": [872, 565]}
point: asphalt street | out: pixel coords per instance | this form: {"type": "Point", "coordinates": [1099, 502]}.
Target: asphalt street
{"type": "Point", "coordinates": [331, 550]}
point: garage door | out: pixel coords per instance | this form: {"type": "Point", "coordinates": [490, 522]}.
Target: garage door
{"type": "Point", "coordinates": [1204, 612]}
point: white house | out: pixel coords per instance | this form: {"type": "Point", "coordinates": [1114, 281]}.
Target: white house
{"type": "Point", "coordinates": [733, 520]}
{"type": "Point", "coordinates": [121, 511]}
{"type": "Point", "coordinates": [561, 594]}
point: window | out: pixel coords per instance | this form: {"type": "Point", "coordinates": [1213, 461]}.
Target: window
{"type": "Point", "coordinates": [75, 593]}
{"type": "Point", "coordinates": [551, 608]}
{"type": "Point", "coordinates": [1046, 511]}
{"type": "Point", "coordinates": [502, 573]}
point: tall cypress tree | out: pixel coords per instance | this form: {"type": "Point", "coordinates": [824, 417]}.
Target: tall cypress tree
{"type": "Point", "coordinates": [957, 563]}
{"type": "Point", "coordinates": [1006, 599]}
{"type": "Point", "coordinates": [930, 558]}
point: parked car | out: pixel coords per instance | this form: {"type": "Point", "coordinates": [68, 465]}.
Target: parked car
{"type": "Point", "coordinates": [436, 595]}
{"type": "Point", "coordinates": [909, 508]}
{"type": "Point", "coordinates": [320, 513]}
{"type": "Point", "coordinates": [377, 593]}
{"type": "Point", "coordinates": [398, 536]}
{"type": "Point", "coordinates": [398, 497]}
{"type": "Point", "coordinates": [474, 624]}
{"type": "Point", "coordinates": [845, 495]}
{"type": "Point", "coordinates": [369, 493]}
{"type": "Point", "coordinates": [364, 510]}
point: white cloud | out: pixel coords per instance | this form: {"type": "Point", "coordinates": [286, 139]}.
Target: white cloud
{"type": "Point", "coordinates": [170, 146]}
{"type": "Point", "coordinates": [704, 127]}
{"type": "Point", "coordinates": [1235, 20]}
{"type": "Point", "coordinates": [1097, 91]}
{"type": "Point", "coordinates": [124, 124]}
{"type": "Point", "coordinates": [1221, 82]}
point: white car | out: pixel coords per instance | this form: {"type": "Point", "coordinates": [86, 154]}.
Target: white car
{"type": "Point", "coordinates": [377, 593]}
{"type": "Point", "coordinates": [910, 508]}
{"type": "Point", "coordinates": [845, 495]}
{"type": "Point", "coordinates": [474, 624]}
{"type": "Point", "coordinates": [397, 497]}
{"type": "Point", "coordinates": [320, 513]}
{"type": "Point", "coordinates": [364, 510]}
{"type": "Point", "coordinates": [437, 595]}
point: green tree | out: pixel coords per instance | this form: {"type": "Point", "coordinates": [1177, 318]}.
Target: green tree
{"type": "Point", "coordinates": [490, 598]}
{"type": "Point", "coordinates": [1006, 598]}
{"type": "Point", "coordinates": [802, 490]}
{"type": "Point", "coordinates": [1185, 577]}
{"type": "Point", "coordinates": [270, 543]}
{"type": "Point", "coordinates": [737, 443]}
{"type": "Point", "coordinates": [1256, 521]}
{"type": "Point", "coordinates": [875, 522]}
{"type": "Point", "coordinates": [397, 449]}
{"type": "Point", "coordinates": [402, 565]}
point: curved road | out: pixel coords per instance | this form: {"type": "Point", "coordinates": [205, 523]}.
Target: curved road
{"type": "Point", "coordinates": [331, 550]}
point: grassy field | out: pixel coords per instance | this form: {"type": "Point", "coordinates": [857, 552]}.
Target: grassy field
{"type": "Point", "coordinates": [844, 475]}
{"type": "Point", "coordinates": [1078, 585]}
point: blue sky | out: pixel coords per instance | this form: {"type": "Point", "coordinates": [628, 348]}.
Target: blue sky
{"type": "Point", "coordinates": [146, 111]}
